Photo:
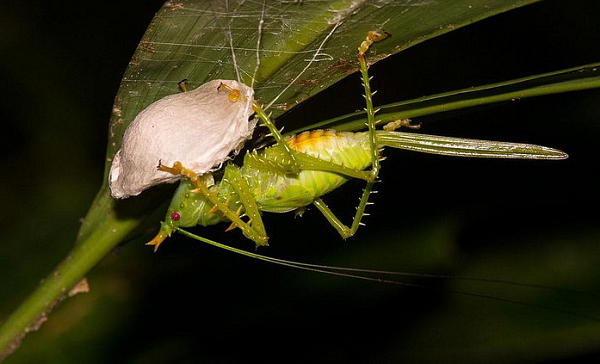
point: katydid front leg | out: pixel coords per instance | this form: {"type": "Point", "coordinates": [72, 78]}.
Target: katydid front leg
{"type": "Point", "coordinates": [290, 162]}
{"type": "Point", "coordinates": [248, 228]}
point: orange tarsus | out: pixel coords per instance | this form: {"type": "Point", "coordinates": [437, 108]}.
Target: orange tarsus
{"type": "Point", "coordinates": [183, 85]}
{"type": "Point", "coordinates": [234, 94]}
{"type": "Point", "coordinates": [372, 37]}
{"type": "Point", "coordinates": [397, 124]}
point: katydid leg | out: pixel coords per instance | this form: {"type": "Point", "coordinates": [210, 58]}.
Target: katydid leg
{"type": "Point", "coordinates": [344, 230]}
{"type": "Point", "coordinates": [248, 201]}
{"type": "Point", "coordinates": [212, 196]}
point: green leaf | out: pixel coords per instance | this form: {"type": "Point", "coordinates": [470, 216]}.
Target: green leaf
{"type": "Point", "coordinates": [573, 79]}
{"type": "Point", "coordinates": [288, 51]}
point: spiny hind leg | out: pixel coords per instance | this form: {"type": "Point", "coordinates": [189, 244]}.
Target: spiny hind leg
{"type": "Point", "coordinates": [343, 230]}
{"type": "Point", "coordinates": [372, 37]}
{"type": "Point", "coordinates": [255, 234]}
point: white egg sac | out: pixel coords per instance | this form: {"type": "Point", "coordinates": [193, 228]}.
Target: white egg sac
{"type": "Point", "coordinates": [201, 129]}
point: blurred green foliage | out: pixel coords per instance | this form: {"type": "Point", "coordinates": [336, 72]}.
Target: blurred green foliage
{"type": "Point", "coordinates": [534, 222]}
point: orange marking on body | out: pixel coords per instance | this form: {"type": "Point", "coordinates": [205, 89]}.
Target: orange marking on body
{"type": "Point", "coordinates": [310, 139]}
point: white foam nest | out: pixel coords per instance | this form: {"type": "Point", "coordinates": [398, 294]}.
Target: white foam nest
{"type": "Point", "coordinates": [201, 129]}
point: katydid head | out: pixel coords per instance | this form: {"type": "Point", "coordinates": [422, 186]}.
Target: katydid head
{"type": "Point", "coordinates": [171, 223]}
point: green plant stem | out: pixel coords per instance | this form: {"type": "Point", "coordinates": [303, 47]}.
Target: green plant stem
{"type": "Point", "coordinates": [579, 78]}
{"type": "Point", "coordinates": [91, 247]}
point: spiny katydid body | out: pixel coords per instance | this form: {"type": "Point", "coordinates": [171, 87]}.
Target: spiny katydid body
{"type": "Point", "coordinates": [295, 173]}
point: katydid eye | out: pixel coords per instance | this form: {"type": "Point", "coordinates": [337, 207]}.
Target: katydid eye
{"type": "Point", "coordinates": [175, 216]}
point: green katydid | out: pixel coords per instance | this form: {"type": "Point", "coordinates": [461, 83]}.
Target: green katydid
{"type": "Point", "coordinates": [297, 172]}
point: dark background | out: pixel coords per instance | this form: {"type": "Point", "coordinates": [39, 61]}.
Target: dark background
{"type": "Point", "coordinates": [535, 222]}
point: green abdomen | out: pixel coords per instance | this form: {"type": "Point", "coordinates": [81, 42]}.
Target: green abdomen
{"type": "Point", "coordinates": [278, 192]}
